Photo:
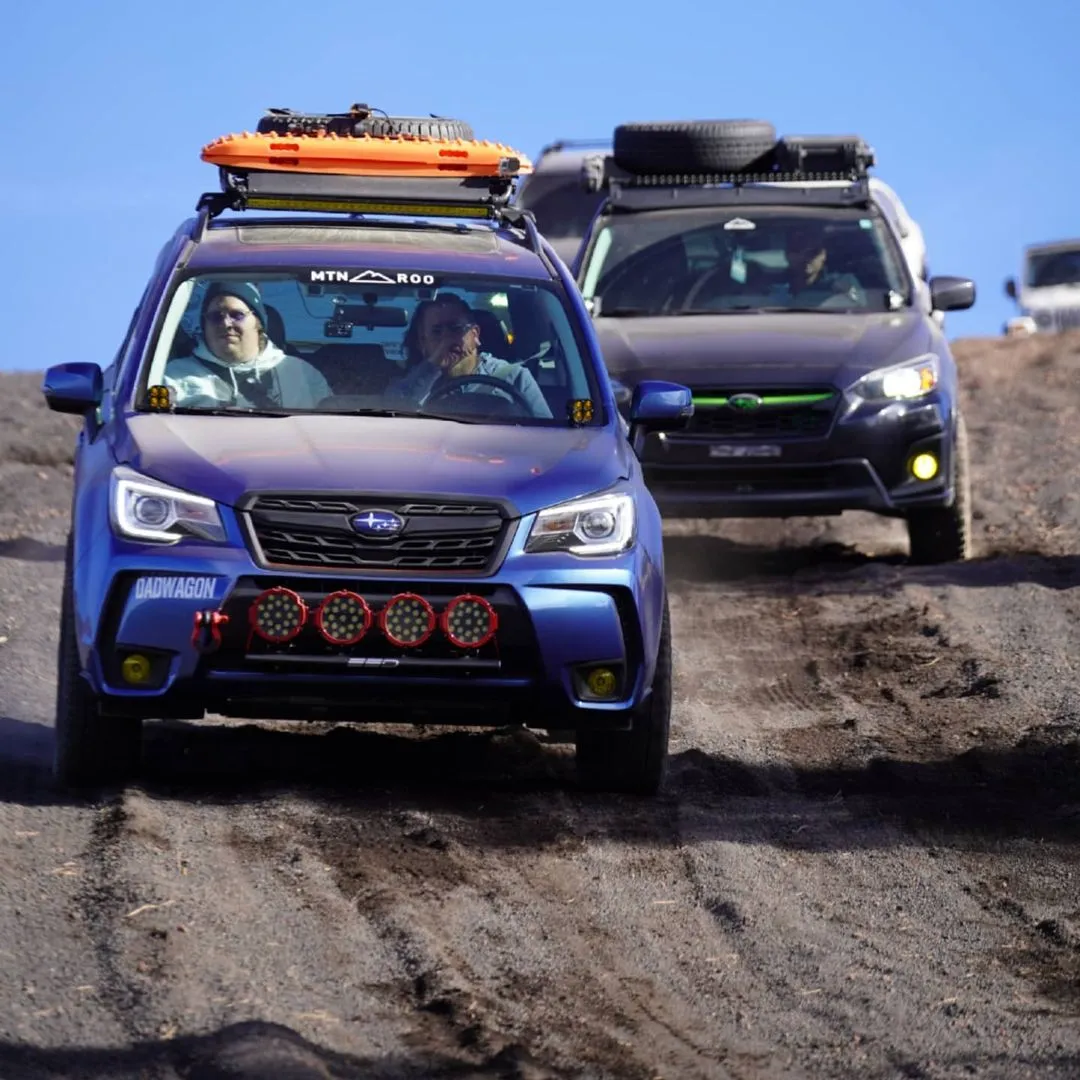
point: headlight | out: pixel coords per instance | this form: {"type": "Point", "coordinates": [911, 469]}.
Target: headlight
{"type": "Point", "coordinates": [145, 509]}
{"type": "Point", "coordinates": [911, 379]}
{"type": "Point", "coordinates": [598, 525]}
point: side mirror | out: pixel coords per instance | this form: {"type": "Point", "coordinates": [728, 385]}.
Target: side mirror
{"type": "Point", "coordinates": [951, 293]}
{"type": "Point", "coordinates": [1010, 288]}
{"type": "Point", "coordinates": [75, 387]}
{"type": "Point", "coordinates": [660, 406]}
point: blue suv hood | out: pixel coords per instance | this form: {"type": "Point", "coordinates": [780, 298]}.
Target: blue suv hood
{"type": "Point", "coordinates": [223, 457]}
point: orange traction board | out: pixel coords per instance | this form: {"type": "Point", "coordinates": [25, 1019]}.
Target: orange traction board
{"type": "Point", "coordinates": [366, 155]}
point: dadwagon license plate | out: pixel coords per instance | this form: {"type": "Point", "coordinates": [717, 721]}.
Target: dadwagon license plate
{"type": "Point", "coordinates": [744, 450]}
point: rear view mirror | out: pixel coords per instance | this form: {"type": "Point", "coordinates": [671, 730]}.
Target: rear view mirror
{"type": "Point", "coordinates": [75, 387]}
{"type": "Point", "coordinates": [661, 406]}
{"type": "Point", "coordinates": [951, 293]}
{"type": "Point", "coordinates": [1010, 288]}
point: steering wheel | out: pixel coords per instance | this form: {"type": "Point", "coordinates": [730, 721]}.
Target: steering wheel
{"type": "Point", "coordinates": [704, 278]}
{"type": "Point", "coordinates": [453, 385]}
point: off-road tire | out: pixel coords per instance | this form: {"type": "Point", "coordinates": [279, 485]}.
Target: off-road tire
{"type": "Point", "coordinates": [633, 762]}
{"type": "Point", "coordinates": [942, 534]}
{"type": "Point", "coordinates": [431, 127]}
{"type": "Point", "coordinates": [90, 750]}
{"type": "Point", "coordinates": [698, 146]}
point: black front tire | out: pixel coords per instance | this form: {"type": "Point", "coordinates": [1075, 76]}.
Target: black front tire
{"type": "Point", "coordinates": [942, 534]}
{"type": "Point", "coordinates": [634, 762]}
{"type": "Point", "coordinates": [90, 749]}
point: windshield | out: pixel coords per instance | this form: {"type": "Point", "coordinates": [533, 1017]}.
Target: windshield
{"type": "Point", "coordinates": [1053, 268]}
{"type": "Point", "coordinates": [364, 341]}
{"type": "Point", "coordinates": [675, 262]}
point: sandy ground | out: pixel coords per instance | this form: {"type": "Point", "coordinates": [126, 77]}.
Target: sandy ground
{"type": "Point", "coordinates": [866, 863]}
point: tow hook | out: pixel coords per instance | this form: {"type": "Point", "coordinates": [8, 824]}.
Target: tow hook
{"type": "Point", "coordinates": [206, 634]}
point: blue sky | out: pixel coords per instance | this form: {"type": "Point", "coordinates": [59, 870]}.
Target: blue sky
{"type": "Point", "coordinates": [970, 105]}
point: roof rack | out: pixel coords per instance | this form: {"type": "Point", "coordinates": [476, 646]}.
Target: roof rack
{"type": "Point", "coordinates": [799, 162]}
{"type": "Point", "coordinates": [483, 198]}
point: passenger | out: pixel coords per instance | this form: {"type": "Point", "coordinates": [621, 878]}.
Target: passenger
{"type": "Point", "coordinates": [443, 344]}
{"type": "Point", "coordinates": [808, 269]}
{"type": "Point", "coordinates": [236, 364]}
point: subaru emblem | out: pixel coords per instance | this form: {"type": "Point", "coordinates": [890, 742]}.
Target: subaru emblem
{"type": "Point", "coordinates": [377, 524]}
{"type": "Point", "coordinates": [745, 402]}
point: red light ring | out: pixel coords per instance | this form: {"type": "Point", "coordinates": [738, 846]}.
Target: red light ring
{"type": "Point", "coordinates": [346, 594]}
{"type": "Point", "coordinates": [432, 620]}
{"type": "Point", "coordinates": [253, 614]}
{"type": "Point", "coordinates": [493, 621]}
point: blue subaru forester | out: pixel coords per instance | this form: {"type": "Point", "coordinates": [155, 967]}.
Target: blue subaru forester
{"type": "Point", "coordinates": [290, 504]}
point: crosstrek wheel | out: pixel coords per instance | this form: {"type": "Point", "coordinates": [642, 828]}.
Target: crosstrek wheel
{"type": "Point", "coordinates": [287, 122]}
{"type": "Point", "coordinates": [943, 533]}
{"type": "Point", "coordinates": [89, 749]}
{"type": "Point", "coordinates": [707, 146]}
{"type": "Point", "coordinates": [633, 761]}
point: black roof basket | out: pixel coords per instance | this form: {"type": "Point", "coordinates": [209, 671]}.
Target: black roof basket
{"type": "Point", "coordinates": [795, 160]}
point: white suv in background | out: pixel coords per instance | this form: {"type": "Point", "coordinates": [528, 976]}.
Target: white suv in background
{"type": "Point", "coordinates": [1048, 293]}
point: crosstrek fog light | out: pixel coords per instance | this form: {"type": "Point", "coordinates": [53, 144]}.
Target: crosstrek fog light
{"type": "Point", "coordinates": [343, 618]}
{"type": "Point", "coordinates": [924, 466]}
{"type": "Point", "coordinates": [407, 621]}
{"type": "Point", "coordinates": [277, 615]}
{"type": "Point", "coordinates": [469, 622]}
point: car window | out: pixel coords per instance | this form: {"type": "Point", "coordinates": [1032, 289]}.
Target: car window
{"type": "Point", "coordinates": [1053, 268]}
{"type": "Point", "coordinates": [725, 260]}
{"type": "Point", "coordinates": [351, 329]}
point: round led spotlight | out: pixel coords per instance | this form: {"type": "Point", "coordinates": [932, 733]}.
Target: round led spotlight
{"type": "Point", "coordinates": [277, 615]}
{"type": "Point", "coordinates": [407, 620]}
{"type": "Point", "coordinates": [469, 622]}
{"type": "Point", "coordinates": [343, 618]}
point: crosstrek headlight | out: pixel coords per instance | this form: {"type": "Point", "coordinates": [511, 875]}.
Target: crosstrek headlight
{"type": "Point", "coordinates": [146, 509]}
{"type": "Point", "coordinates": [598, 525]}
{"type": "Point", "coordinates": [911, 379]}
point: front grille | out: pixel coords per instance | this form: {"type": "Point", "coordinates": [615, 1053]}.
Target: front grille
{"type": "Point", "coordinates": [1058, 319]}
{"type": "Point", "coordinates": [779, 419]}
{"type": "Point", "coordinates": [314, 531]}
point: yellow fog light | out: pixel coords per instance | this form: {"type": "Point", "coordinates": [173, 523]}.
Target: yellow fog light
{"type": "Point", "coordinates": [924, 466]}
{"type": "Point", "coordinates": [135, 668]}
{"type": "Point", "coordinates": [601, 682]}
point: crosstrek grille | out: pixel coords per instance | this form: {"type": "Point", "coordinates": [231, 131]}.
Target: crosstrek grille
{"type": "Point", "coordinates": [744, 414]}
{"type": "Point", "coordinates": [315, 531]}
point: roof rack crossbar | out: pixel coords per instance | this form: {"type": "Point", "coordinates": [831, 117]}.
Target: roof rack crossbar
{"type": "Point", "coordinates": [478, 192]}
{"type": "Point", "coordinates": [763, 190]}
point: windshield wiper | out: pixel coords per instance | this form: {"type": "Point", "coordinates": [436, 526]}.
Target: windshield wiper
{"type": "Point", "coordinates": [625, 312]}
{"type": "Point", "coordinates": [224, 410]}
{"type": "Point", "coordinates": [411, 414]}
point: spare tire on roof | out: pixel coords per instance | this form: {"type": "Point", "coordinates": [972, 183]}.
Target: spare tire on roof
{"type": "Point", "coordinates": [362, 122]}
{"type": "Point", "coordinates": [709, 146]}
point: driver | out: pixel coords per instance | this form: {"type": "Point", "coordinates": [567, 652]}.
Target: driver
{"type": "Point", "coordinates": [442, 346]}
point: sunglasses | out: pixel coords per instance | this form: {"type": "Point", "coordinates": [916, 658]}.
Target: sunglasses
{"type": "Point", "coordinates": [456, 328]}
{"type": "Point", "coordinates": [220, 316]}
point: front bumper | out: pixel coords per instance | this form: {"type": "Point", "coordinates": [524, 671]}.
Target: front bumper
{"type": "Point", "coordinates": [557, 617]}
{"type": "Point", "coordinates": [862, 462]}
